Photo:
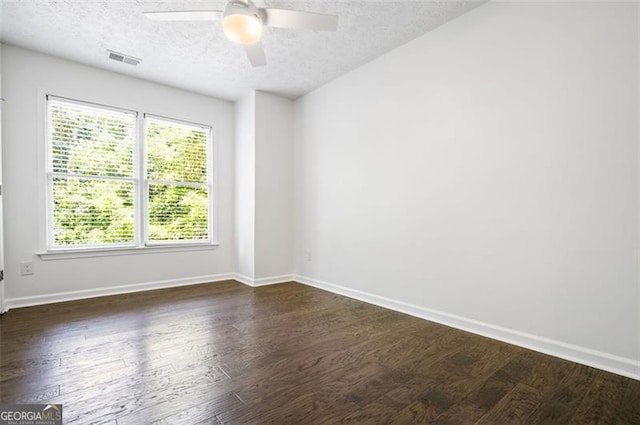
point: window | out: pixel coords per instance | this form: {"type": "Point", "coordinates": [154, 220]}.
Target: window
{"type": "Point", "coordinates": [177, 181]}
{"type": "Point", "coordinates": [108, 187]}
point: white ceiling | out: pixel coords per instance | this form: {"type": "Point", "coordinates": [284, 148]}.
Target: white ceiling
{"type": "Point", "coordinates": [196, 56]}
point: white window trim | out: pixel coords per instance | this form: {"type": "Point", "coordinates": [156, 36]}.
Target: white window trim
{"type": "Point", "coordinates": [68, 254]}
{"type": "Point", "coordinates": [48, 252]}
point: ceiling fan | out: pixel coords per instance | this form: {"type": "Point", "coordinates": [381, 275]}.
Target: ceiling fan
{"type": "Point", "coordinates": [242, 23]}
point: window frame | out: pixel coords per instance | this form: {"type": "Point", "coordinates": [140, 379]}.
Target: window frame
{"type": "Point", "coordinates": [140, 244]}
{"type": "Point", "coordinates": [146, 181]}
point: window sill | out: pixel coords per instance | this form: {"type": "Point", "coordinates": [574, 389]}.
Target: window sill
{"type": "Point", "coordinates": [68, 254]}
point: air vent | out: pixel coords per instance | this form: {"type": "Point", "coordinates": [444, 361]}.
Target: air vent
{"type": "Point", "coordinates": [121, 57]}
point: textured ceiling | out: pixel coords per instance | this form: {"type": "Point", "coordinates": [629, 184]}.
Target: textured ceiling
{"type": "Point", "coordinates": [196, 56]}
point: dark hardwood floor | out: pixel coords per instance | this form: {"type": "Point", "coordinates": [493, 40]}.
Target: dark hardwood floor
{"type": "Point", "coordinates": [285, 354]}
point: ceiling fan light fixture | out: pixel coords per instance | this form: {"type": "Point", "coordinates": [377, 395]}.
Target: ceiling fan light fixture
{"type": "Point", "coordinates": [242, 29]}
{"type": "Point", "coordinates": [243, 23]}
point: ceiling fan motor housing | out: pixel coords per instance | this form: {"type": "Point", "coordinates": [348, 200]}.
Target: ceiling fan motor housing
{"type": "Point", "coordinates": [239, 7]}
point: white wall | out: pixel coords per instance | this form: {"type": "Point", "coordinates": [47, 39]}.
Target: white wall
{"type": "Point", "coordinates": [487, 170]}
{"type": "Point", "coordinates": [2, 285]}
{"type": "Point", "coordinates": [263, 189]}
{"type": "Point", "coordinates": [245, 186]}
{"type": "Point", "coordinates": [25, 75]}
{"type": "Point", "coordinates": [274, 185]}
{"type": "Point", "coordinates": [638, 175]}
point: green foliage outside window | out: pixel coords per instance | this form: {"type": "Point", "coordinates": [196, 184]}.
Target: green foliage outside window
{"type": "Point", "coordinates": [92, 212]}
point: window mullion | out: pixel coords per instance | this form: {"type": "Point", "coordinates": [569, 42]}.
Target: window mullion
{"type": "Point", "coordinates": [211, 195]}
{"type": "Point", "coordinates": [141, 184]}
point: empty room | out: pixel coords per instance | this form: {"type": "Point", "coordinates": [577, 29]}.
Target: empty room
{"type": "Point", "coordinates": [319, 212]}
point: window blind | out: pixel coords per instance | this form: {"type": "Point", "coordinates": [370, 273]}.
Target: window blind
{"type": "Point", "coordinates": [90, 174]}
{"type": "Point", "coordinates": [178, 188]}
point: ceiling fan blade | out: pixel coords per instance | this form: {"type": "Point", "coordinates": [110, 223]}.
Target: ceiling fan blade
{"type": "Point", "coordinates": [294, 19]}
{"type": "Point", "coordinates": [185, 15]}
{"type": "Point", "coordinates": [255, 53]}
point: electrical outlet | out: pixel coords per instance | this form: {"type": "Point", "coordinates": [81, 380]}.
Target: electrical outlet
{"type": "Point", "coordinates": [308, 255]}
{"type": "Point", "coordinates": [26, 268]}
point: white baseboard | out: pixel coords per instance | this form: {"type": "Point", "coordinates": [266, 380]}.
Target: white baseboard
{"type": "Point", "coordinates": [113, 290]}
{"type": "Point", "coordinates": [139, 287]}
{"type": "Point", "coordinates": [263, 281]}
{"type": "Point", "coordinates": [600, 360]}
